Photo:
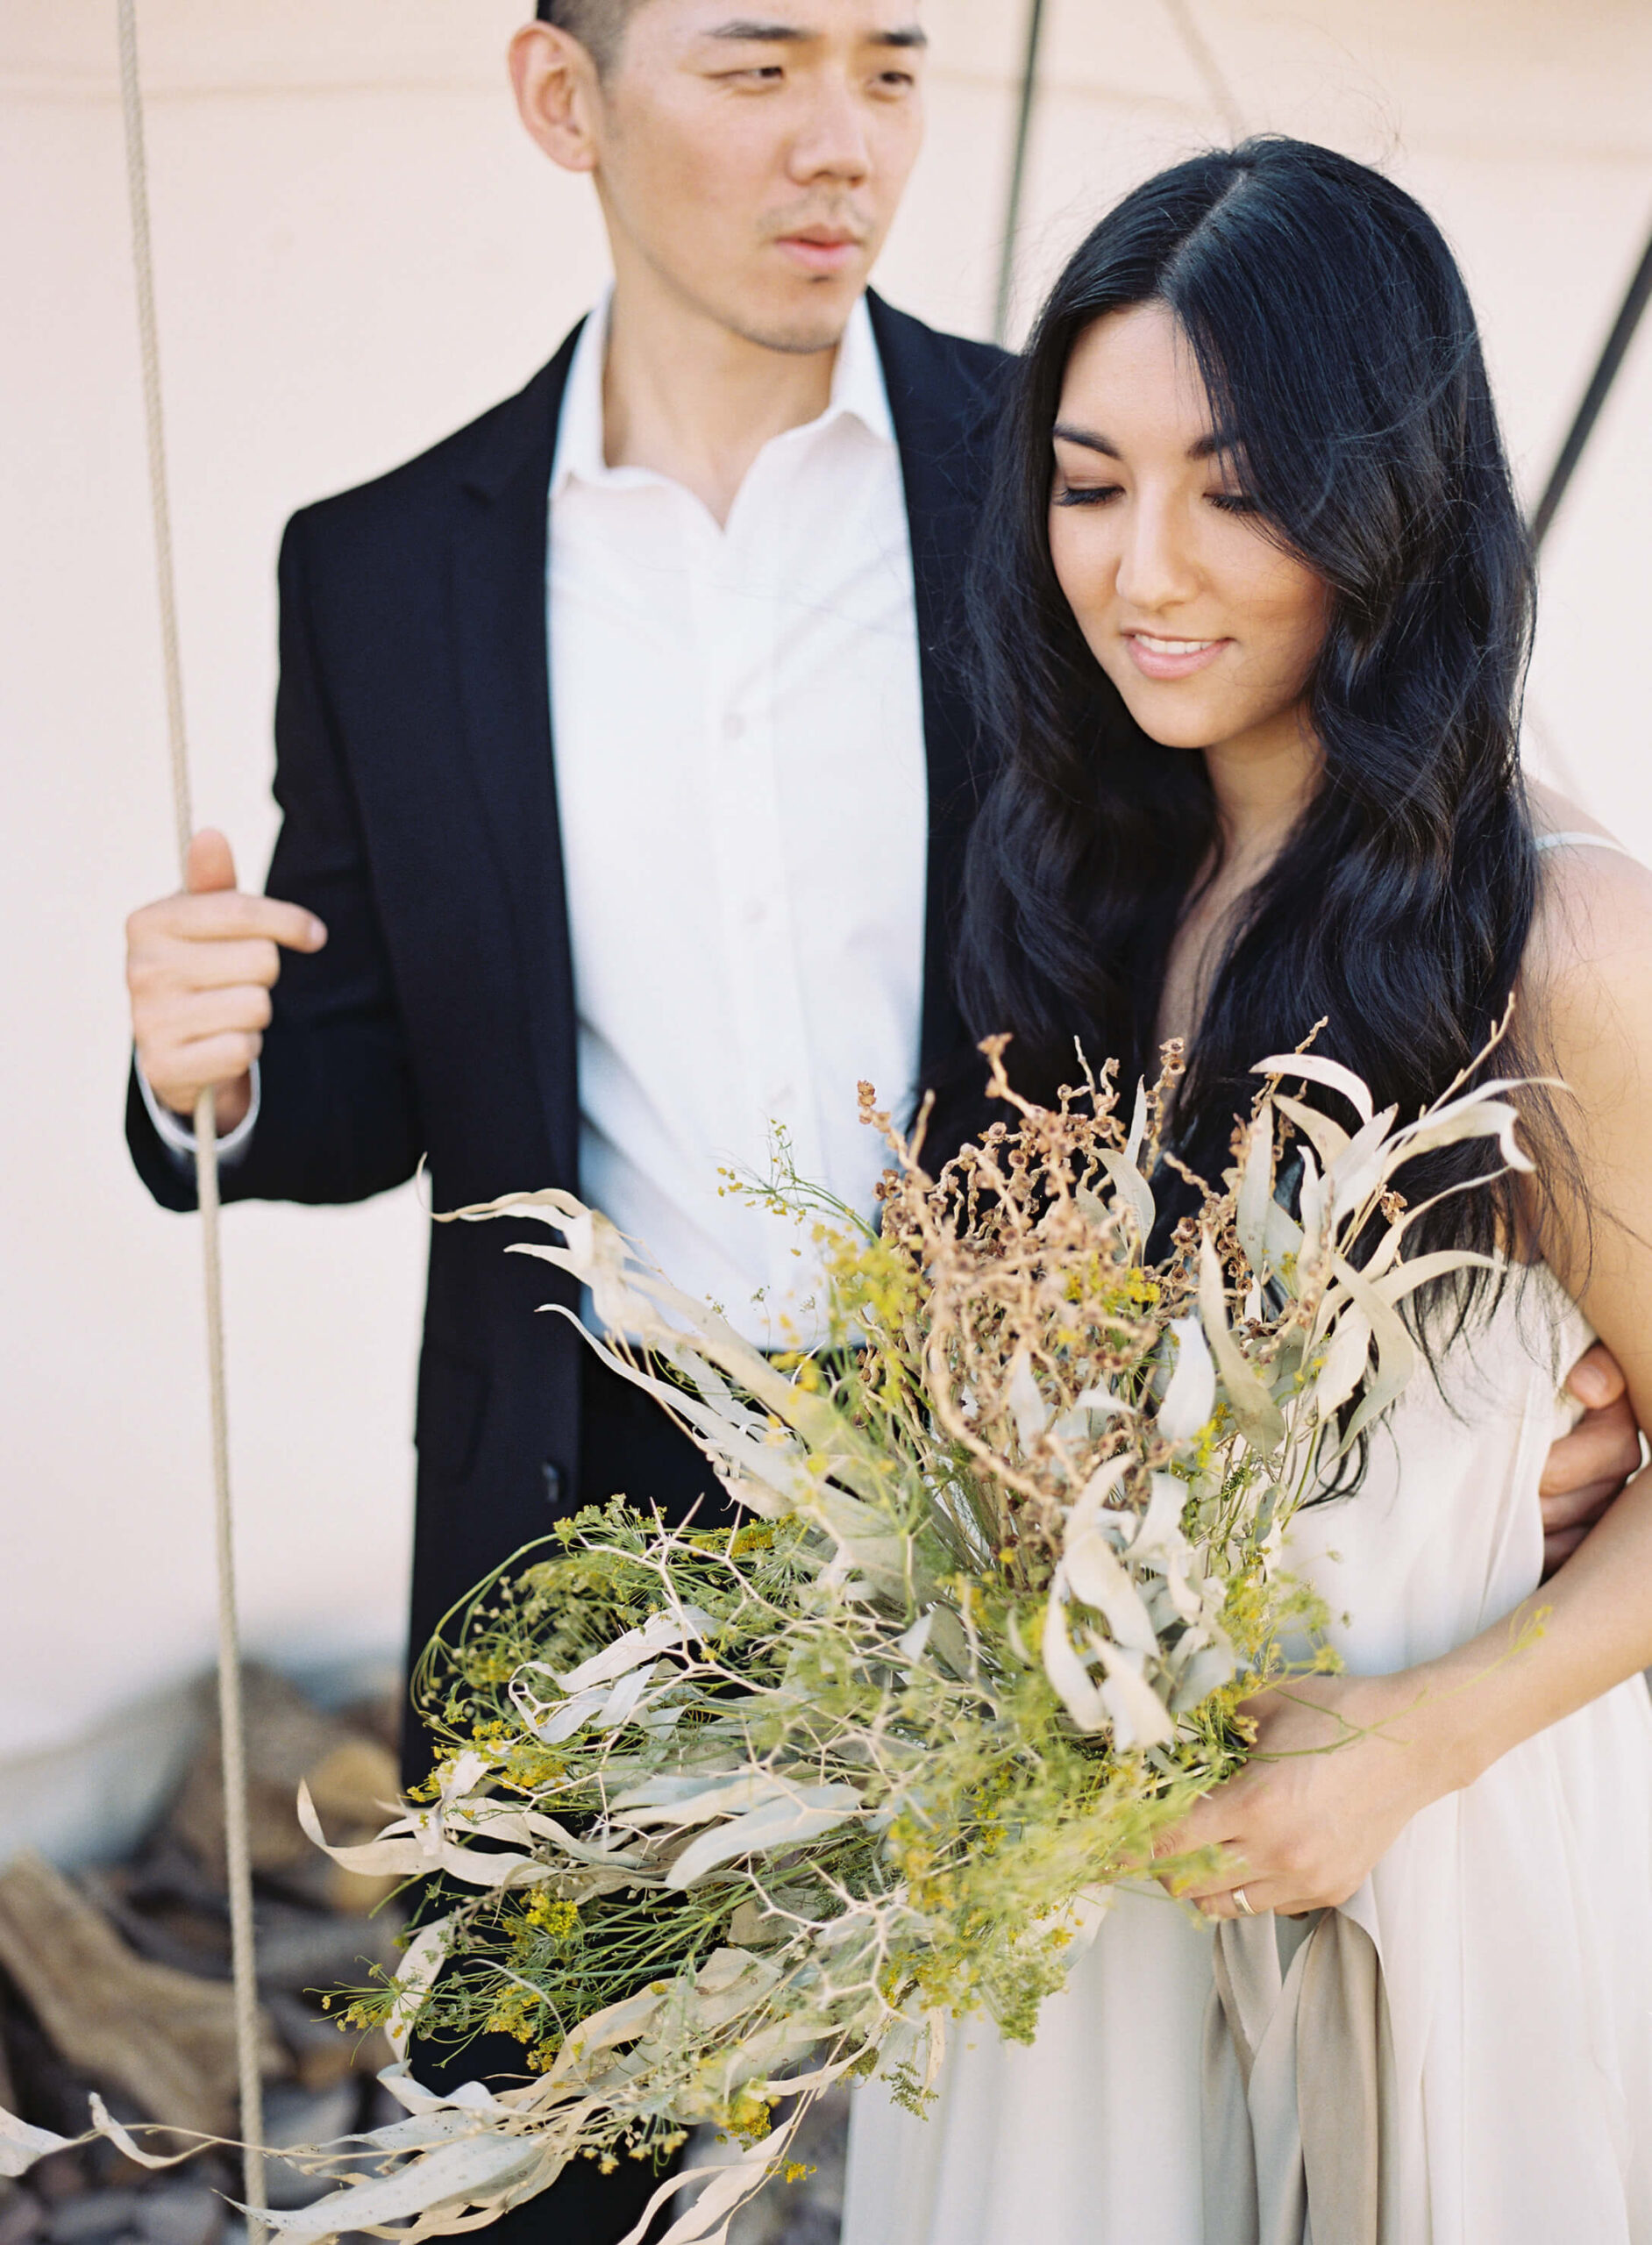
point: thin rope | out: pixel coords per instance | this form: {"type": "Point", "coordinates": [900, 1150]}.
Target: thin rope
{"type": "Point", "coordinates": [231, 1723]}
{"type": "Point", "coordinates": [1203, 56]}
{"type": "Point", "coordinates": [1613, 352]}
{"type": "Point", "coordinates": [1025, 105]}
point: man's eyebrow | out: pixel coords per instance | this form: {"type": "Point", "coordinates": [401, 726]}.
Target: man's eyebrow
{"type": "Point", "coordinates": [756, 32]}
{"type": "Point", "coordinates": [749, 28]}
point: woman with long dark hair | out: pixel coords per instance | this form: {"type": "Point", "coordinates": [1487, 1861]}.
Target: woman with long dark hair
{"type": "Point", "coordinates": [1254, 610]}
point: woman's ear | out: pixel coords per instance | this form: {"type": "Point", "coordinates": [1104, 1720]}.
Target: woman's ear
{"type": "Point", "coordinates": [555, 82]}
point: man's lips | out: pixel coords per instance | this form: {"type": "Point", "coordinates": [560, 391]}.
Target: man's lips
{"type": "Point", "coordinates": [1171, 655]}
{"type": "Point", "coordinates": [821, 249]}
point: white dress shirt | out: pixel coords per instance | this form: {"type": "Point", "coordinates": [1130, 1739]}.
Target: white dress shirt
{"type": "Point", "coordinates": [178, 1136]}
{"type": "Point", "coordinates": [744, 804]}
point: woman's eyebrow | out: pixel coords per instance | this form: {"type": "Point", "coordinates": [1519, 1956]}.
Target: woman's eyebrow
{"type": "Point", "coordinates": [1211, 445]}
{"type": "Point", "coordinates": [1090, 439]}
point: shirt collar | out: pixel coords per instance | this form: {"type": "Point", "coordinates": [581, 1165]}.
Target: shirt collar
{"type": "Point", "coordinates": [857, 389]}
{"type": "Point", "coordinates": [857, 383]}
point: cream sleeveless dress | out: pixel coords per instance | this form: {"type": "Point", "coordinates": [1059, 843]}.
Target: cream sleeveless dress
{"type": "Point", "coordinates": [1512, 1922]}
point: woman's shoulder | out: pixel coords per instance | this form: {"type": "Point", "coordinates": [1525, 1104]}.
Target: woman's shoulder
{"type": "Point", "coordinates": [1586, 1002]}
{"type": "Point", "coordinates": [1592, 928]}
{"type": "Point", "coordinates": [1568, 834]}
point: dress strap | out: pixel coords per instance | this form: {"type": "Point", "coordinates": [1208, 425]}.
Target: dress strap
{"type": "Point", "coordinates": [1579, 842]}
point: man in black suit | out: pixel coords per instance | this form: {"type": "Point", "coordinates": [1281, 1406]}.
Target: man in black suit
{"type": "Point", "coordinates": [437, 1016]}
{"type": "Point", "coordinates": [440, 966]}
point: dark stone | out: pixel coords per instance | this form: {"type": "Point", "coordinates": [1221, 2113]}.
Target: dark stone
{"type": "Point", "coordinates": [22, 2216]}
{"type": "Point", "coordinates": [92, 2216]}
{"type": "Point", "coordinates": [180, 2214]}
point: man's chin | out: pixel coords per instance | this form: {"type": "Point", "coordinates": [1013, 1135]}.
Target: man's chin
{"type": "Point", "coordinates": [801, 328]}
{"type": "Point", "coordinates": [797, 343]}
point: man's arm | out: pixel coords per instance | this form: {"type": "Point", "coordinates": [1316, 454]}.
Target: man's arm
{"type": "Point", "coordinates": [179, 1136]}
{"type": "Point", "coordinates": [298, 979]}
{"type": "Point", "coordinates": [200, 968]}
{"type": "Point", "coordinates": [1586, 1470]}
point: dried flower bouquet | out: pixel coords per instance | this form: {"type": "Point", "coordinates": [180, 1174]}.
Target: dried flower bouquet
{"type": "Point", "coordinates": [721, 1816]}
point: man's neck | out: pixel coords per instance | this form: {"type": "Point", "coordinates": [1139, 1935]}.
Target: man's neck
{"type": "Point", "coordinates": [686, 396]}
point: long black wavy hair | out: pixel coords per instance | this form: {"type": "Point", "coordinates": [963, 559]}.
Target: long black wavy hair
{"type": "Point", "coordinates": [1340, 354]}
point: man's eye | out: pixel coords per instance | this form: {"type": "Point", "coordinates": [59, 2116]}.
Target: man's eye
{"type": "Point", "coordinates": [760, 74]}
{"type": "Point", "coordinates": [898, 82]}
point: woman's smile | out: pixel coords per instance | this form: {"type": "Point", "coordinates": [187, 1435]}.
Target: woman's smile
{"type": "Point", "coordinates": [1158, 655]}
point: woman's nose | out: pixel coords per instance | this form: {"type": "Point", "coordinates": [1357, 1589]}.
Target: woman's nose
{"type": "Point", "coordinates": [1155, 568]}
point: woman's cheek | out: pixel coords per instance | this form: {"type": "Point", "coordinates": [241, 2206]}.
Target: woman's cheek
{"type": "Point", "coordinates": [1085, 574]}
{"type": "Point", "coordinates": [1062, 560]}
{"type": "Point", "coordinates": [1300, 606]}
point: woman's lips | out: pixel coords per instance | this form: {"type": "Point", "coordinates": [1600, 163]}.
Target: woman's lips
{"type": "Point", "coordinates": [822, 256]}
{"type": "Point", "coordinates": [1165, 656]}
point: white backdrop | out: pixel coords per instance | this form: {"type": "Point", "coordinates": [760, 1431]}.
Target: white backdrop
{"type": "Point", "coordinates": [358, 250]}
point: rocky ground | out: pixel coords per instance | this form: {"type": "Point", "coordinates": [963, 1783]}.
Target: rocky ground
{"type": "Point", "coordinates": [119, 1981]}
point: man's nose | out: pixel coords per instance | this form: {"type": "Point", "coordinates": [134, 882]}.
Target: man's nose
{"type": "Point", "coordinates": [1155, 568]}
{"type": "Point", "coordinates": [832, 141]}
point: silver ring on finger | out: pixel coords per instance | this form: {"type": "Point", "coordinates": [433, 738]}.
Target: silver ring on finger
{"type": "Point", "coordinates": [1243, 1903]}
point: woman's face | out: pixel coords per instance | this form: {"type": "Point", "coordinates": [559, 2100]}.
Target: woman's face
{"type": "Point", "coordinates": [1206, 627]}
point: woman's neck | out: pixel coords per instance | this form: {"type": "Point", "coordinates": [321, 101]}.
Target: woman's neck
{"type": "Point", "coordinates": [1261, 781]}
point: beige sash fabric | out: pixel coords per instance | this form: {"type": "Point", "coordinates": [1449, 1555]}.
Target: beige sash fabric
{"type": "Point", "coordinates": [1298, 2087]}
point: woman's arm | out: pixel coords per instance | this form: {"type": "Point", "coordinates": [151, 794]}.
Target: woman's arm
{"type": "Point", "coordinates": [1304, 1831]}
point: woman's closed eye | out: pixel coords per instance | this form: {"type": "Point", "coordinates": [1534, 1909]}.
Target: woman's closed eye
{"type": "Point", "coordinates": [1099, 494]}
{"type": "Point", "coordinates": [1086, 495]}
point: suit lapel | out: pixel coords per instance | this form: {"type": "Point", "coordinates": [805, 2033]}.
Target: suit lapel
{"type": "Point", "coordinates": [943, 419]}
{"type": "Point", "coordinates": [498, 591]}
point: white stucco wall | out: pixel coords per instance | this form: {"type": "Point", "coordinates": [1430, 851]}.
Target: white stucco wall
{"type": "Point", "coordinates": [357, 250]}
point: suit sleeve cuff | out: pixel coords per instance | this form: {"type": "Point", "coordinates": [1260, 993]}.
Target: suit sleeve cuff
{"type": "Point", "coordinates": [178, 1136]}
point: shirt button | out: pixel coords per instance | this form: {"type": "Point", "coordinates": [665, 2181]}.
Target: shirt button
{"type": "Point", "coordinates": [780, 1098]}
{"type": "Point", "coordinates": [734, 725]}
{"type": "Point", "coordinates": [756, 911]}
{"type": "Point", "coordinates": [553, 1473]}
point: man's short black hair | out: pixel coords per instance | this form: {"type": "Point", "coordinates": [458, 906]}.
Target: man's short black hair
{"type": "Point", "coordinates": [598, 24]}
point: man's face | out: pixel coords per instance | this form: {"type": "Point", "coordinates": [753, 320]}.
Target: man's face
{"type": "Point", "coordinates": [753, 154]}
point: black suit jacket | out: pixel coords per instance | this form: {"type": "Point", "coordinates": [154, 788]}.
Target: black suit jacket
{"type": "Point", "coordinates": [415, 777]}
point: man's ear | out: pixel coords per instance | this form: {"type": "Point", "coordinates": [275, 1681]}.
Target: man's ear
{"type": "Point", "coordinates": [555, 83]}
